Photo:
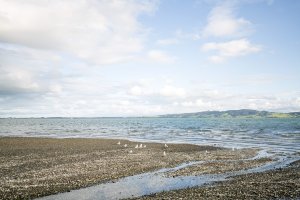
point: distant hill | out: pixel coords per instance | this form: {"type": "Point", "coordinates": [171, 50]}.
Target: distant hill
{"type": "Point", "coordinates": [243, 113]}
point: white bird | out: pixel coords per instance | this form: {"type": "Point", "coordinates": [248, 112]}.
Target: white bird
{"type": "Point", "coordinates": [119, 143]}
{"type": "Point", "coordinates": [136, 146]}
{"type": "Point", "coordinates": [166, 146]}
{"type": "Point", "coordinates": [141, 145]}
{"type": "Point", "coordinates": [165, 153]}
{"type": "Point", "coordinates": [144, 146]}
{"type": "Point", "coordinates": [206, 151]}
{"type": "Point", "coordinates": [130, 151]}
{"type": "Point", "coordinates": [125, 145]}
{"type": "Point", "coordinates": [232, 149]}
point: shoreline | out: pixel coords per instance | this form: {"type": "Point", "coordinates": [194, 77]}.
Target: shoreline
{"type": "Point", "coordinates": [35, 167]}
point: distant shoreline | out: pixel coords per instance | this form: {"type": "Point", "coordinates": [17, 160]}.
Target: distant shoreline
{"type": "Point", "coordinates": [241, 113]}
{"type": "Point", "coordinates": [230, 114]}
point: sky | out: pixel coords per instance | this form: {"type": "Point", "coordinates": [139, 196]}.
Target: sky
{"type": "Point", "coordinates": [96, 58]}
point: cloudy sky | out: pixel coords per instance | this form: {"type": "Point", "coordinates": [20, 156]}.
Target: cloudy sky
{"type": "Point", "coordinates": [147, 57]}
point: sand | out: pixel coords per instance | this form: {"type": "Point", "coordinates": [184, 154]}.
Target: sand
{"type": "Point", "coordinates": [35, 167]}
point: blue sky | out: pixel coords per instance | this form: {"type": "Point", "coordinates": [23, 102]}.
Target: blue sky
{"type": "Point", "coordinates": [141, 58]}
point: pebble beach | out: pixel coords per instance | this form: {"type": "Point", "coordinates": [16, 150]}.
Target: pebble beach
{"type": "Point", "coordinates": [37, 167]}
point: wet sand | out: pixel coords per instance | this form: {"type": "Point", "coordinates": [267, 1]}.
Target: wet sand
{"type": "Point", "coordinates": [216, 167]}
{"type": "Point", "coordinates": [35, 167]}
{"type": "Point", "coordinates": [274, 184]}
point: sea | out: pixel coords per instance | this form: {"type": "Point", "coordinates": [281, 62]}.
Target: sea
{"type": "Point", "coordinates": [275, 137]}
{"type": "Point", "coordinates": [281, 135]}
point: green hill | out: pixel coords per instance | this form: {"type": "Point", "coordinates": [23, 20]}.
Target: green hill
{"type": "Point", "coordinates": [243, 113]}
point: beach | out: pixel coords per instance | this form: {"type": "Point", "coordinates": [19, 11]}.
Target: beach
{"type": "Point", "coordinates": [35, 167]}
{"type": "Point", "coordinates": [275, 184]}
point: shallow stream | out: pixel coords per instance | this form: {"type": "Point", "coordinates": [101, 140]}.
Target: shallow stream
{"type": "Point", "coordinates": [157, 181]}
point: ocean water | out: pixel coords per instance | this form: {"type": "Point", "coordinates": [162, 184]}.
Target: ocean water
{"type": "Point", "coordinates": [281, 135]}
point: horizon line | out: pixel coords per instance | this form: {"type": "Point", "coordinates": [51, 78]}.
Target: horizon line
{"type": "Point", "coordinates": [142, 116]}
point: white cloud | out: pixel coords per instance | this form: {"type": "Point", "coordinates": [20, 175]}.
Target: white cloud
{"type": "Point", "coordinates": [15, 80]}
{"type": "Point", "coordinates": [172, 91]}
{"type": "Point", "coordinates": [168, 41]}
{"type": "Point", "coordinates": [188, 104]}
{"type": "Point", "coordinates": [199, 102]}
{"type": "Point", "coordinates": [273, 103]}
{"type": "Point", "coordinates": [156, 91]}
{"type": "Point", "coordinates": [140, 90]}
{"type": "Point", "coordinates": [55, 88]}
{"type": "Point", "coordinates": [101, 32]}
{"type": "Point", "coordinates": [22, 72]}
{"type": "Point", "coordinates": [223, 23]}
{"type": "Point", "coordinates": [233, 48]}
{"type": "Point", "coordinates": [199, 105]}
{"type": "Point", "coordinates": [161, 56]}
{"type": "Point", "coordinates": [86, 97]}
{"type": "Point", "coordinates": [136, 90]}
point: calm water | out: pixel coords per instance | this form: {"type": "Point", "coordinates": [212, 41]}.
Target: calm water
{"type": "Point", "coordinates": [276, 134]}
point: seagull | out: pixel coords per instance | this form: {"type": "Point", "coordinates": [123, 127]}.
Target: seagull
{"type": "Point", "coordinates": [232, 149]}
{"type": "Point", "coordinates": [166, 146]}
{"type": "Point", "coordinates": [130, 151]}
{"type": "Point", "coordinates": [165, 153]}
{"type": "Point", "coordinates": [144, 146]}
{"type": "Point", "coordinates": [137, 146]}
{"type": "Point", "coordinates": [141, 145]}
{"type": "Point", "coordinates": [125, 145]}
{"type": "Point", "coordinates": [119, 143]}
{"type": "Point", "coordinates": [206, 151]}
